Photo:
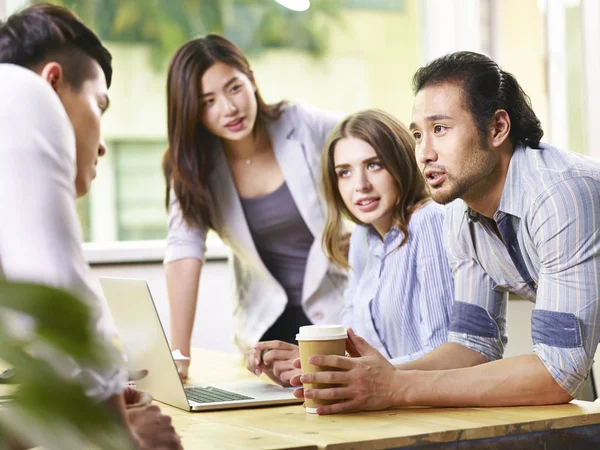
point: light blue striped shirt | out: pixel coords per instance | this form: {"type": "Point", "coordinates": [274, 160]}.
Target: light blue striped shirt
{"type": "Point", "coordinates": [552, 199]}
{"type": "Point", "coordinates": [400, 299]}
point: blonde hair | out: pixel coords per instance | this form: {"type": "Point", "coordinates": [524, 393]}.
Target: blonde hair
{"type": "Point", "coordinates": [395, 148]}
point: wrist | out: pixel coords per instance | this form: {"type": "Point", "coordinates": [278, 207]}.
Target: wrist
{"type": "Point", "coordinates": [402, 385]}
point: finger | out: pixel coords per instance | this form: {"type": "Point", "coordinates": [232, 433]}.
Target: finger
{"type": "Point", "coordinates": [279, 355]}
{"type": "Point", "coordinates": [287, 375]}
{"type": "Point", "coordinates": [325, 378]}
{"type": "Point", "coordinates": [360, 344]}
{"type": "Point", "coordinates": [337, 408]}
{"type": "Point", "coordinates": [297, 364]}
{"type": "Point", "coordinates": [280, 367]}
{"type": "Point", "coordinates": [274, 345]}
{"type": "Point", "coordinates": [339, 362]}
{"type": "Point", "coordinates": [299, 393]}
{"type": "Point", "coordinates": [351, 349]}
{"type": "Point", "coordinates": [295, 380]}
{"type": "Point", "coordinates": [338, 393]}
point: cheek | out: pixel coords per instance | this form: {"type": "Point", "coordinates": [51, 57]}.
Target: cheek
{"type": "Point", "coordinates": [345, 190]}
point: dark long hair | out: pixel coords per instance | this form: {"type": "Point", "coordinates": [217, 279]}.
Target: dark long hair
{"type": "Point", "coordinates": [486, 88]}
{"type": "Point", "coordinates": [188, 159]}
{"type": "Point", "coordinates": [395, 148]}
{"type": "Point", "coordinates": [42, 33]}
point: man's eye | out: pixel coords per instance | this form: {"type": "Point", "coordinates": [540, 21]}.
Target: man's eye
{"type": "Point", "coordinates": [417, 135]}
{"type": "Point", "coordinates": [439, 128]}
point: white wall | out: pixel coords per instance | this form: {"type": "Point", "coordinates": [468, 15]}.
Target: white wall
{"type": "Point", "coordinates": [213, 325]}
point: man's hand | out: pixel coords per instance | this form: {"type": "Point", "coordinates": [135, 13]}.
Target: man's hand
{"type": "Point", "coordinates": [368, 382]}
{"type": "Point", "coordinates": [135, 398]}
{"type": "Point", "coordinates": [151, 429]}
{"type": "Point", "coordinates": [274, 359]}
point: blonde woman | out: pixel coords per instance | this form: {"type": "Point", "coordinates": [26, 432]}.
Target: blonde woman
{"type": "Point", "coordinates": [400, 285]}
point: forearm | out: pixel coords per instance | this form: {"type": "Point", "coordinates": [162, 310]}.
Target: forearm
{"type": "Point", "coordinates": [183, 277]}
{"type": "Point", "coordinates": [447, 356]}
{"type": "Point", "coordinates": [520, 380]}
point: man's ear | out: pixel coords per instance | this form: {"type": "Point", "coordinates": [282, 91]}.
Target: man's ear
{"type": "Point", "coordinates": [500, 127]}
{"type": "Point", "coordinates": [53, 73]}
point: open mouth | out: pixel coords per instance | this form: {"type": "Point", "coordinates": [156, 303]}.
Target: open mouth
{"type": "Point", "coordinates": [435, 178]}
{"type": "Point", "coordinates": [235, 125]}
{"type": "Point", "coordinates": [367, 204]}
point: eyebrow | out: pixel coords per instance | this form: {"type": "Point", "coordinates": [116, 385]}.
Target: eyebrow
{"type": "Point", "coordinates": [229, 83]}
{"type": "Point", "coordinates": [432, 118]}
{"type": "Point", "coordinates": [365, 161]}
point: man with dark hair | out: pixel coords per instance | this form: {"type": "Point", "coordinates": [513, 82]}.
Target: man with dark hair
{"type": "Point", "coordinates": [523, 217]}
{"type": "Point", "coordinates": [54, 78]}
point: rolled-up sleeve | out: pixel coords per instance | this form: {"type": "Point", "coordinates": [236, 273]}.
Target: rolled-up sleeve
{"type": "Point", "coordinates": [565, 224]}
{"type": "Point", "coordinates": [478, 319]}
{"type": "Point", "coordinates": [183, 240]}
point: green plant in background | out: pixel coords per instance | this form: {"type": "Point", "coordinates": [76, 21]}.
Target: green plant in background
{"type": "Point", "coordinates": [48, 407]}
{"type": "Point", "coordinates": [254, 25]}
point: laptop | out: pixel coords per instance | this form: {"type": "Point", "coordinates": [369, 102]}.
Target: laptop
{"type": "Point", "coordinates": [146, 347]}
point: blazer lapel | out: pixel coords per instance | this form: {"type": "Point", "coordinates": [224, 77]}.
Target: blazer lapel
{"type": "Point", "coordinates": [300, 171]}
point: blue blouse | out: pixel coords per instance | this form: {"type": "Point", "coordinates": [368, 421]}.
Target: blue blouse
{"type": "Point", "coordinates": [400, 299]}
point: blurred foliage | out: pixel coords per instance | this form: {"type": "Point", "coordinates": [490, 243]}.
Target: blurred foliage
{"type": "Point", "coordinates": [48, 406]}
{"type": "Point", "coordinates": [254, 25]}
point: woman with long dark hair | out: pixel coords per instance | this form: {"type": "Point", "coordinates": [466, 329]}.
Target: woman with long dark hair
{"type": "Point", "coordinates": [247, 170]}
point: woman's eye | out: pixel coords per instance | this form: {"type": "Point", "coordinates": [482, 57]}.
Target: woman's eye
{"type": "Point", "coordinates": [374, 165]}
{"type": "Point", "coordinates": [236, 88]}
{"type": "Point", "coordinates": [208, 102]}
{"type": "Point", "coordinates": [343, 173]}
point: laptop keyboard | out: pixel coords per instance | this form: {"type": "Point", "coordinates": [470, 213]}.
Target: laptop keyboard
{"type": "Point", "coordinates": [211, 394]}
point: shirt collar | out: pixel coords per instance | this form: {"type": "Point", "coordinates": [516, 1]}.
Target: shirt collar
{"type": "Point", "coordinates": [511, 201]}
{"type": "Point", "coordinates": [390, 241]}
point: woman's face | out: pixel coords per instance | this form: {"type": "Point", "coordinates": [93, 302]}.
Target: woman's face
{"type": "Point", "coordinates": [228, 105]}
{"type": "Point", "coordinates": [369, 191]}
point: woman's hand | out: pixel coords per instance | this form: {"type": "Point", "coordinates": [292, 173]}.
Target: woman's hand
{"type": "Point", "coordinates": [274, 359]}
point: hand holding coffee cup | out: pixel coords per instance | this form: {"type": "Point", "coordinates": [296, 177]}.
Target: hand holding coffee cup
{"type": "Point", "coordinates": [319, 340]}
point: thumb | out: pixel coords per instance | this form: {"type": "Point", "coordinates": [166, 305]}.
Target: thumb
{"type": "Point", "coordinates": [359, 344]}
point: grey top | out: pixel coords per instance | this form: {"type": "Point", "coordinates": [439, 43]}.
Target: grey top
{"type": "Point", "coordinates": [281, 237]}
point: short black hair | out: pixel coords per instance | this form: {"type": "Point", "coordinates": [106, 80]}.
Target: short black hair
{"type": "Point", "coordinates": [43, 32]}
{"type": "Point", "coordinates": [486, 88]}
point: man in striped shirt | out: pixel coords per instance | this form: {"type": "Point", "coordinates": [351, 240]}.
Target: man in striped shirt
{"type": "Point", "coordinates": [522, 217]}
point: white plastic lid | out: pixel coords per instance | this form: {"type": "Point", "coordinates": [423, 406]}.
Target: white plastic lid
{"type": "Point", "coordinates": [321, 333]}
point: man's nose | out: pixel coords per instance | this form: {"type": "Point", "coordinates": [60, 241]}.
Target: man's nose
{"type": "Point", "coordinates": [425, 151]}
{"type": "Point", "coordinates": [102, 148]}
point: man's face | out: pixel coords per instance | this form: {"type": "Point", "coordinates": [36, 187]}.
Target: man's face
{"type": "Point", "coordinates": [85, 107]}
{"type": "Point", "coordinates": [448, 146]}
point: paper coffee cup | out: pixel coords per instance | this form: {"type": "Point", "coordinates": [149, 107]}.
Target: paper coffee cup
{"type": "Point", "coordinates": [319, 340]}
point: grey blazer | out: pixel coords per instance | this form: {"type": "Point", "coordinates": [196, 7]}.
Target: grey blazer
{"type": "Point", "coordinates": [297, 137]}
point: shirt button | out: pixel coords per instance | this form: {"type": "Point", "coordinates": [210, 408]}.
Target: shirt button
{"type": "Point", "coordinates": [318, 315]}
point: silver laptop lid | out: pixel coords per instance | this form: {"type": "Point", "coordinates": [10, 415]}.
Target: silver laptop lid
{"type": "Point", "coordinates": [143, 339]}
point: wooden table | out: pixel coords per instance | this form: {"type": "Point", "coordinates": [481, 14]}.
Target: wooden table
{"type": "Point", "coordinates": [574, 425]}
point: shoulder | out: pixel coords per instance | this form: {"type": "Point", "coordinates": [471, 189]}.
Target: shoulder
{"type": "Point", "coordinates": [314, 118]}
{"type": "Point", "coordinates": [32, 116]}
{"type": "Point", "coordinates": [429, 213]}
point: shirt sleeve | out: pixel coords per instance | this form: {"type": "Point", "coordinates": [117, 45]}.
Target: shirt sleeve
{"type": "Point", "coordinates": [183, 240]}
{"type": "Point", "coordinates": [40, 235]}
{"type": "Point", "coordinates": [478, 319]}
{"type": "Point", "coordinates": [565, 326]}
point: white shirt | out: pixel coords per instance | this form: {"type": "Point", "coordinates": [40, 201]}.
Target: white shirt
{"type": "Point", "coordinates": [40, 235]}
